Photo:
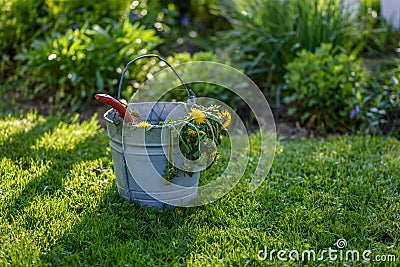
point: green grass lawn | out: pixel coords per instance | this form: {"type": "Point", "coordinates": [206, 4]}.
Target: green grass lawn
{"type": "Point", "coordinates": [59, 204]}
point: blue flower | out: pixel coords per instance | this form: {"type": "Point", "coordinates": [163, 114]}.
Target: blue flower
{"type": "Point", "coordinates": [75, 27]}
{"type": "Point", "coordinates": [355, 111]}
{"type": "Point", "coordinates": [134, 16]}
{"type": "Point", "coordinates": [185, 20]}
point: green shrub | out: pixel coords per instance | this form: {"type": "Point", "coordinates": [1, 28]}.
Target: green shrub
{"type": "Point", "coordinates": [70, 67]}
{"type": "Point", "coordinates": [321, 89]}
{"type": "Point", "coordinates": [24, 20]}
{"type": "Point", "coordinates": [378, 108]}
{"type": "Point", "coordinates": [267, 34]}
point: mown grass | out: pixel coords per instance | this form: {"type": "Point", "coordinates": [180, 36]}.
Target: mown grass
{"type": "Point", "coordinates": [59, 204]}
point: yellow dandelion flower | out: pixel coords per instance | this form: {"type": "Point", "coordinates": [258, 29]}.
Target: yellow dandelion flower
{"type": "Point", "coordinates": [198, 115]}
{"type": "Point", "coordinates": [227, 118]}
{"type": "Point", "coordinates": [143, 124]}
{"type": "Point", "coordinates": [192, 133]}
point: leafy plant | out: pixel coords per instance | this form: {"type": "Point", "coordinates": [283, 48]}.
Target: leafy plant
{"type": "Point", "coordinates": [199, 134]}
{"type": "Point", "coordinates": [70, 67]}
{"type": "Point", "coordinates": [321, 89]}
{"type": "Point", "coordinates": [23, 21]}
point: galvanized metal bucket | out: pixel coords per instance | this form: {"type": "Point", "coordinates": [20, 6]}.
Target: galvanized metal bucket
{"type": "Point", "coordinates": [144, 153]}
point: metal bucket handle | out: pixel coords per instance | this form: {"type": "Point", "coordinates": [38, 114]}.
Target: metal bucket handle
{"type": "Point", "coordinates": [191, 95]}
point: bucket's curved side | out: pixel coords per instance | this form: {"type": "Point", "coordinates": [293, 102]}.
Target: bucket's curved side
{"type": "Point", "coordinates": [114, 133]}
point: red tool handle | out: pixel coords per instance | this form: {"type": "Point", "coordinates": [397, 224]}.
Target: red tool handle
{"type": "Point", "coordinates": [114, 103]}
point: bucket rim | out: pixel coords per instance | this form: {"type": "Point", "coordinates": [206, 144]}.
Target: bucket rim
{"type": "Point", "coordinates": [156, 126]}
{"type": "Point", "coordinates": [117, 120]}
{"type": "Point", "coordinates": [159, 102]}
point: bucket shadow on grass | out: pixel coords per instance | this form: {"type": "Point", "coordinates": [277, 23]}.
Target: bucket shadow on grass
{"type": "Point", "coordinates": [118, 232]}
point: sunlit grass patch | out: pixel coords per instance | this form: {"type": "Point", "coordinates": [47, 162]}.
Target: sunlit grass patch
{"type": "Point", "coordinates": [59, 203]}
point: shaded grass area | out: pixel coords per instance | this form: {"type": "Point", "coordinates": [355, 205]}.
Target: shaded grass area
{"type": "Point", "coordinates": [59, 203]}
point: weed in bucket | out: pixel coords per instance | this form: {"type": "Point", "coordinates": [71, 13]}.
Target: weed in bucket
{"type": "Point", "coordinates": [159, 148]}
